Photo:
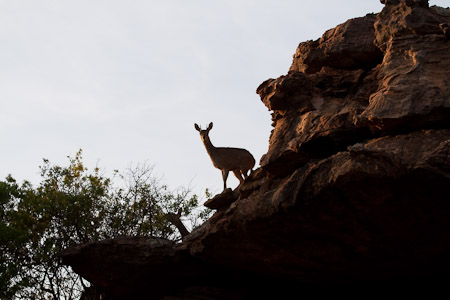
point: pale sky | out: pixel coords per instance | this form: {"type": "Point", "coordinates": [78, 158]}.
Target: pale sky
{"type": "Point", "coordinates": [126, 80]}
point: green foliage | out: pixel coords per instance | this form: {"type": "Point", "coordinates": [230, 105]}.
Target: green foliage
{"type": "Point", "coordinates": [13, 239]}
{"type": "Point", "coordinates": [71, 206]}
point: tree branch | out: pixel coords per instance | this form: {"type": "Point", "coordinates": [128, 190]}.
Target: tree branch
{"type": "Point", "coordinates": [175, 219]}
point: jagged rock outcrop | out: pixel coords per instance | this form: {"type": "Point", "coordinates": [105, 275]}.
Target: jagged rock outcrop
{"type": "Point", "coordinates": [223, 200]}
{"type": "Point", "coordinates": [349, 46]}
{"type": "Point", "coordinates": [354, 187]}
{"type": "Point", "coordinates": [123, 266]}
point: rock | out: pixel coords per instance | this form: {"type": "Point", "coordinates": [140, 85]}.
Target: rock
{"type": "Point", "coordinates": [253, 183]}
{"type": "Point", "coordinates": [414, 89]}
{"type": "Point", "coordinates": [122, 268]}
{"type": "Point", "coordinates": [151, 268]}
{"type": "Point", "coordinates": [353, 190]}
{"type": "Point", "coordinates": [445, 29]}
{"type": "Point", "coordinates": [326, 107]}
{"type": "Point", "coordinates": [318, 116]}
{"type": "Point", "coordinates": [377, 212]}
{"type": "Point", "coordinates": [348, 46]}
{"type": "Point", "coordinates": [222, 200]}
{"type": "Point", "coordinates": [105, 264]}
{"type": "Point", "coordinates": [413, 3]}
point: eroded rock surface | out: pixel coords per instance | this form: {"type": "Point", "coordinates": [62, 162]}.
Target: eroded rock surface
{"type": "Point", "coordinates": [354, 188]}
{"type": "Point", "coordinates": [223, 200]}
{"type": "Point", "coordinates": [123, 267]}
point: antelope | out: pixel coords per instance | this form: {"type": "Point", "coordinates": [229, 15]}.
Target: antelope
{"type": "Point", "coordinates": [238, 160]}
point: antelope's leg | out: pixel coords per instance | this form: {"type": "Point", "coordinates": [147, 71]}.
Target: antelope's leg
{"type": "Point", "coordinates": [225, 176]}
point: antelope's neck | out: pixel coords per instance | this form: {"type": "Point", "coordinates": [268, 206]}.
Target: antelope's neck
{"type": "Point", "coordinates": [209, 146]}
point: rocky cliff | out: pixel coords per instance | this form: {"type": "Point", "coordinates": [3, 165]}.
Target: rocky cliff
{"type": "Point", "coordinates": [353, 189]}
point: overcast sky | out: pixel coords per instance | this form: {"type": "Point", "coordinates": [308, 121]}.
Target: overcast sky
{"type": "Point", "coordinates": [126, 80]}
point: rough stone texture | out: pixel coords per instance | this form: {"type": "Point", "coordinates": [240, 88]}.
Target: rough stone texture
{"type": "Point", "coordinates": [348, 46]}
{"type": "Point", "coordinates": [445, 29]}
{"type": "Point", "coordinates": [151, 268]}
{"type": "Point", "coordinates": [352, 191]}
{"type": "Point", "coordinates": [222, 200]}
{"type": "Point", "coordinates": [377, 211]}
{"type": "Point", "coordinates": [317, 118]}
{"type": "Point", "coordinates": [414, 82]}
{"type": "Point", "coordinates": [123, 267]}
{"type": "Point", "coordinates": [326, 107]}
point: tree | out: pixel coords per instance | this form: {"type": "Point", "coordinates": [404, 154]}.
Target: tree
{"type": "Point", "coordinates": [70, 206]}
{"type": "Point", "coordinates": [14, 237]}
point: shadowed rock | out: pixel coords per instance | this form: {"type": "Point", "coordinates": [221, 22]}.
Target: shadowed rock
{"type": "Point", "coordinates": [445, 29]}
{"type": "Point", "coordinates": [134, 267]}
{"type": "Point", "coordinates": [222, 200]}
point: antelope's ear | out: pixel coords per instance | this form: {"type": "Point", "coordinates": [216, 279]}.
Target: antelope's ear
{"type": "Point", "coordinates": [210, 126]}
{"type": "Point", "coordinates": [197, 127]}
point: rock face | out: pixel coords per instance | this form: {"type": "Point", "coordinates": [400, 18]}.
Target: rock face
{"type": "Point", "coordinates": [353, 189]}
